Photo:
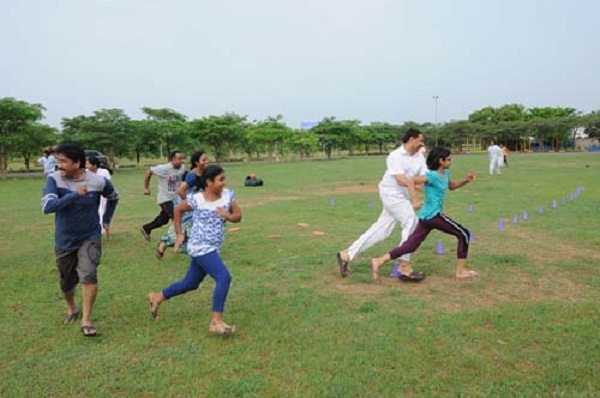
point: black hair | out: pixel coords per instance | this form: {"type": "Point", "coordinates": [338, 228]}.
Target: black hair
{"type": "Point", "coordinates": [93, 160]}
{"type": "Point", "coordinates": [435, 155]}
{"type": "Point", "coordinates": [74, 152]}
{"type": "Point", "coordinates": [211, 172]}
{"type": "Point", "coordinates": [195, 158]}
{"type": "Point", "coordinates": [411, 133]}
{"type": "Point", "coordinates": [173, 154]}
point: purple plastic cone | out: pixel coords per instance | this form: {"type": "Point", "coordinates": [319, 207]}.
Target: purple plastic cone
{"type": "Point", "coordinates": [515, 219]}
{"type": "Point", "coordinates": [541, 209]}
{"type": "Point", "coordinates": [332, 201]}
{"type": "Point", "coordinates": [525, 216]}
{"type": "Point", "coordinates": [440, 248]}
{"type": "Point", "coordinates": [471, 237]}
{"type": "Point", "coordinates": [471, 208]}
{"type": "Point", "coordinates": [554, 204]}
{"type": "Point", "coordinates": [371, 204]}
{"type": "Point", "coordinates": [501, 225]}
{"type": "Point", "coordinates": [564, 201]}
{"type": "Point", "coordinates": [395, 273]}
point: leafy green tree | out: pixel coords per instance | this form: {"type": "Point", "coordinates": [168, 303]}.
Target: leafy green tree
{"type": "Point", "coordinates": [591, 124]}
{"type": "Point", "coordinates": [219, 132]}
{"type": "Point", "coordinates": [31, 139]}
{"type": "Point", "coordinates": [169, 126]}
{"type": "Point", "coordinates": [552, 124]}
{"type": "Point", "coordinates": [336, 134]}
{"type": "Point", "coordinates": [269, 134]}
{"type": "Point", "coordinates": [304, 142]}
{"type": "Point", "coordinates": [106, 130]}
{"type": "Point", "coordinates": [15, 115]}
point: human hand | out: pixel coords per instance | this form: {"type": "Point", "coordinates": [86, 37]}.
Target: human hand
{"type": "Point", "coordinates": [471, 176]}
{"type": "Point", "coordinates": [82, 189]}
{"type": "Point", "coordinates": [222, 212]}
{"type": "Point", "coordinates": [107, 230]}
{"type": "Point", "coordinates": [416, 204]}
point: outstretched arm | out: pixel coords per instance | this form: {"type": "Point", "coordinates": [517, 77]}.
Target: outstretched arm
{"type": "Point", "coordinates": [459, 184]}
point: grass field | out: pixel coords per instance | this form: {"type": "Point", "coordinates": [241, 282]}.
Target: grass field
{"type": "Point", "coordinates": [529, 327]}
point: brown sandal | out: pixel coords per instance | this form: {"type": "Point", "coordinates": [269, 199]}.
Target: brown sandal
{"type": "Point", "coordinates": [222, 329]}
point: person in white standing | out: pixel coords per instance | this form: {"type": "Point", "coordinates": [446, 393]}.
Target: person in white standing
{"type": "Point", "coordinates": [496, 158]}
{"type": "Point", "coordinates": [93, 165]}
{"type": "Point", "coordinates": [399, 204]}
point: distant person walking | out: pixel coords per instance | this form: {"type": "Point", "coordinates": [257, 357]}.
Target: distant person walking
{"type": "Point", "coordinates": [72, 194]}
{"type": "Point", "coordinates": [211, 208]}
{"type": "Point", "coordinates": [169, 176]}
{"type": "Point", "coordinates": [495, 154]}
{"type": "Point", "coordinates": [437, 182]}
{"type": "Point", "coordinates": [93, 165]}
{"type": "Point", "coordinates": [397, 194]}
{"type": "Point", "coordinates": [505, 153]}
{"type": "Point", "coordinates": [48, 161]}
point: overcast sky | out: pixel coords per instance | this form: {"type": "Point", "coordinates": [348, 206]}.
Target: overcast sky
{"type": "Point", "coordinates": [372, 60]}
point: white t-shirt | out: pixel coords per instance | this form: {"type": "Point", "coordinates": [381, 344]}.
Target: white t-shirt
{"type": "Point", "coordinates": [169, 180]}
{"type": "Point", "coordinates": [401, 162]}
{"type": "Point", "coordinates": [103, 172]}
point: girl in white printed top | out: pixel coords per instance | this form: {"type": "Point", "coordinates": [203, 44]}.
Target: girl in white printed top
{"type": "Point", "coordinates": [211, 208]}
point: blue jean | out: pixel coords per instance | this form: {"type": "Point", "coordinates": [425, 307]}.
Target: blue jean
{"type": "Point", "coordinates": [212, 265]}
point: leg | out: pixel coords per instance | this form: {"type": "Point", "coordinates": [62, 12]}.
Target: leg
{"type": "Point", "coordinates": [379, 231]}
{"type": "Point", "coordinates": [451, 227]}
{"type": "Point", "coordinates": [166, 214]}
{"type": "Point", "coordinates": [194, 276]}
{"type": "Point", "coordinates": [411, 244]}
{"type": "Point", "coordinates": [66, 262]}
{"type": "Point", "coordinates": [88, 261]}
{"type": "Point", "coordinates": [214, 266]}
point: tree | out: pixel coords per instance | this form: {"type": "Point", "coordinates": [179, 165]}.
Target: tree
{"type": "Point", "coordinates": [269, 133]}
{"type": "Point", "coordinates": [220, 132]}
{"type": "Point", "coordinates": [107, 130]}
{"type": "Point", "coordinates": [169, 126]}
{"type": "Point", "coordinates": [591, 124]}
{"type": "Point", "coordinates": [31, 139]}
{"type": "Point", "coordinates": [549, 123]}
{"type": "Point", "coordinates": [15, 115]}
{"type": "Point", "coordinates": [335, 134]}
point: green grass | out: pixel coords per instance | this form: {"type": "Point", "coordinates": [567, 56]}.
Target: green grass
{"type": "Point", "coordinates": [528, 327]}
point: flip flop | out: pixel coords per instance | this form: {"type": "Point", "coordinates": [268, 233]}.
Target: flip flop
{"type": "Point", "coordinates": [88, 331]}
{"type": "Point", "coordinates": [159, 254]}
{"type": "Point", "coordinates": [343, 264]}
{"type": "Point", "coordinates": [414, 277]}
{"type": "Point", "coordinates": [71, 318]}
{"type": "Point", "coordinates": [222, 329]}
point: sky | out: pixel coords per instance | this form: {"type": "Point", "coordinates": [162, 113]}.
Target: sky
{"type": "Point", "coordinates": [371, 60]}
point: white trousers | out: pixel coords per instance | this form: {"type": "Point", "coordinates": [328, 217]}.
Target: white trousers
{"type": "Point", "coordinates": [495, 164]}
{"type": "Point", "coordinates": [396, 209]}
{"type": "Point", "coordinates": [101, 211]}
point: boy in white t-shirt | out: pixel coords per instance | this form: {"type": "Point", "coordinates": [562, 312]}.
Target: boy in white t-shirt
{"type": "Point", "coordinates": [170, 176]}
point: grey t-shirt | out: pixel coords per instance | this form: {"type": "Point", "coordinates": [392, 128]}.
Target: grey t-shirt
{"type": "Point", "coordinates": [169, 179]}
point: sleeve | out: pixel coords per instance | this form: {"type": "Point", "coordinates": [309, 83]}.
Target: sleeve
{"type": "Point", "coordinates": [161, 170]}
{"type": "Point", "coordinates": [192, 201]}
{"type": "Point", "coordinates": [423, 166]}
{"type": "Point", "coordinates": [395, 165]}
{"type": "Point", "coordinates": [51, 203]}
{"type": "Point", "coordinates": [112, 199]}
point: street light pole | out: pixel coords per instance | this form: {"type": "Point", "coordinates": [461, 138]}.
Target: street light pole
{"type": "Point", "coordinates": [435, 99]}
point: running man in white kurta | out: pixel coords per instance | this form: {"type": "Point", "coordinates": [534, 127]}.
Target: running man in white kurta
{"type": "Point", "coordinates": [399, 203]}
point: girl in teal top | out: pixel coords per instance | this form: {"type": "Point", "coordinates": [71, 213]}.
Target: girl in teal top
{"type": "Point", "coordinates": [436, 181]}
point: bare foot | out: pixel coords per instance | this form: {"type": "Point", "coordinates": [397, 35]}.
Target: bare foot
{"type": "Point", "coordinates": [221, 328]}
{"type": "Point", "coordinates": [375, 264]}
{"type": "Point", "coordinates": [467, 274]}
{"type": "Point", "coordinates": [154, 304]}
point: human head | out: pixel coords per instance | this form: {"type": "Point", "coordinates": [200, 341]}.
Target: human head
{"type": "Point", "coordinates": [412, 140]}
{"type": "Point", "coordinates": [199, 160]}
{"type": "Point", "coordinates": [93, 164]}
{"type": "Point", "coordinates": [213, 175]}
{"type": "Point", "coordinates": [436, 156]}
{"type": "Point", "coordinates": [70, 158]}
{"type": "Point", "coordinates": [176, 159]}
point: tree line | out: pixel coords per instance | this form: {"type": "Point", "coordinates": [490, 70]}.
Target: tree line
{"type": "Point", "coordinates": [22, 134]}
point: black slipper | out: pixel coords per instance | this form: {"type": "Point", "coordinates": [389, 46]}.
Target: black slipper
{"type": "Point", "coordinates": [343, 264]}
{"type": "Point", "coordinates": [71, 318]}
{"type": "Point", "coordinates": [89, 331]}
{"type": "Point", "coordinates": [414, 277]}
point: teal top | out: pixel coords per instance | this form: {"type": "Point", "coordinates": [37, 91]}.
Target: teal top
{"type": "Point", "coordinates": [435, 191]}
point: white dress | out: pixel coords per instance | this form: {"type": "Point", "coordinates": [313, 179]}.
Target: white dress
{"type": "Point", "coordinates": [102, 207]}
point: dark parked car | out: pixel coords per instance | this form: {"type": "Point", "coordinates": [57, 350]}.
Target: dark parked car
{"type": "Point", "coordinates": [100, 156]}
